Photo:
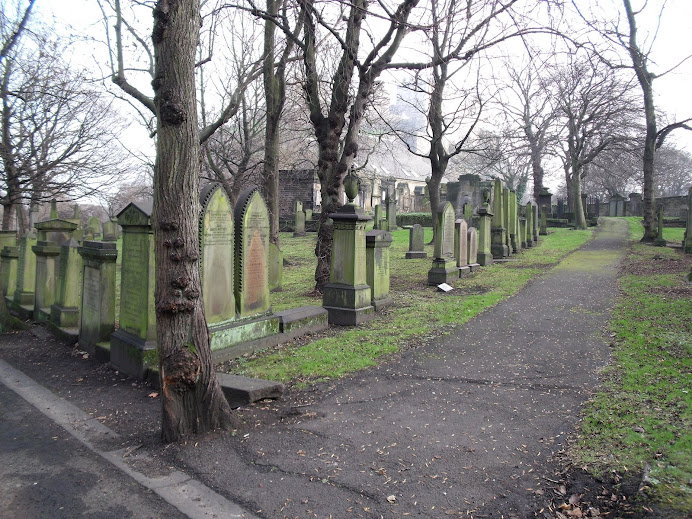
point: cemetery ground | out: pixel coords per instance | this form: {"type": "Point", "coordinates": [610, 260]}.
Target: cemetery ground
{"type": "Point", "coordinates": [425, 412]}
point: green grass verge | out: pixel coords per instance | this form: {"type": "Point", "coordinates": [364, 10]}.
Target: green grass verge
{"type": "Point", "coordinates": [670, 234]}
{"type": "Point", "coordinates": [642, 414]}
{"type": "Point", "coordinates": [419, 312]}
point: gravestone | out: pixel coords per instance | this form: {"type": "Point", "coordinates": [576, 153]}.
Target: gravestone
{"type": "Point", "coordinates": [97, 308]}
{"type": "Point", "coordinates": [468, 213]}
{"type": "Point", "coordinates": [545, 201]}
{"type": "Point", "coordinates": [52, 235]}
{"type": "Point", "coordinates": [216, 247]}
{"type": "Point", "coordinates": [514, 239]}
{"type": "Point", "coordinates": [299, 224]}
{"type": "Point", "coordinates": [444, 269]}
{"type": "Point", "coordinates": [522, 232]}
{"type": "Point", "coordinates": [9, 256]}
{"type": "Point", "coordinates": [347, 297]}
{"type": "Point", "coordinates": [528, 212]}
{"type": "Point", "coordinates": [276, 268]}
{"type": "Point", "coordinates": [473, 249]}
{"type": "Point", "coordinates": [308, 215]}
{"type": "Point", "coordinates": [461, 250]}
{"type": "Point", "coordinates": [391, 213]}
{"type": "Point", "coordinates": [377, 267]}
{"type": "Point", "coordinates": [635, 205]}
{"type": "Point", "coordinates": [378, 217]}
{"type": "Point", "coordinates": [93, 227]}
{"type": "Point", "coordinates": [498, 231]}
{"type": "Point", "coordinates": [506, 219]}
{"type": "Point", "coordinates": [23, 300]}
{"type": "Point", "coordinates": [133, 344]}
{"type": "Point", "coordinates": [416, 244]}
{"type": "Point", "coordinates": [65, 310]}
{"type": "Point", "coordinates": [111, 231]}
{"type": "Point", "coordinates": [660, 241]}
{"type": "Point", "coordinates": [544, 222]}
{"type": "Point", "coordinates": [485, 255]}
{"type": "Point", "coordinates": [534, 222]}
{"type": "Point", "coordinates": [687, 238]}
{"type": "Point", "coordinates": [251, 253]}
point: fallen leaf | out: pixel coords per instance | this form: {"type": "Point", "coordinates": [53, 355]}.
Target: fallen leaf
{"type": "Point", "coordinates": [153, 395]}
{"type": "Point", "coordinates": [574, 499]}
{"type": "Point", "coordinates": [575, 513]}
{"type": "Point", "coordinates": [562, 489]}
{"type": "Point", "coordinates": [391, 499]}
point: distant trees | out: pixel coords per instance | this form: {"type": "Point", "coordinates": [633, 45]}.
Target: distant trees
{"type": "Point", "coordinates": [58, 135]}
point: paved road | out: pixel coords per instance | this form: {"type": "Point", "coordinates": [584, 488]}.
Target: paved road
{"type": "Point", "coordinates": [461, 426]}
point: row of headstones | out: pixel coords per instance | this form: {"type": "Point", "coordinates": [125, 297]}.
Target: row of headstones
{"type": "Point", "coordinates": [39, 272]}
{"type": "Point", "coordinates": [386, 221]}
{"type": "Point", "coordinates": [460, 248]}
{"type": "Point", "coordinates": [71, 286]}
{"type": "Point", "coordinates": [660, 241]}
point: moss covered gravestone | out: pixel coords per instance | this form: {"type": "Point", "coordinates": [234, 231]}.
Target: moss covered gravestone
{"type": "Point", "coordinates": [133, 344]}
{"type": "Point", "coordinates": [52, 235]}
{"type": "Point", "coordinates": [347, 296]}
{"type": "Point", "coordinates": [97, 318]}
{"type": "Point", "coordinates": [687, 238]}
{"type": "Point", "coordinates": [528, 211]}
{"type": "Point", "coordinates": [65, 311]}
{"type": "Point", "coordinates": [23, 301]}
{"type": "Point", "coordinates": [377, 267]}
{"type": "Point", "coordinates": [472, 249]}
{"type": "Point", "coordinates": [444, 268]}
{"type": "Point", "coordinates": [9, 254]}
{"type": "Point", "coordinates": [461, 250]}
{"type": "Point", "coordinates": [416, 248]}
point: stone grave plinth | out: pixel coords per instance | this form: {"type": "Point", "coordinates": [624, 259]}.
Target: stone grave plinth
{"type": "Point", "coordinates": [544, 223]}
{"type": "Point", "coordinates": [9, 256]}
{"type": "Point", "coordinates": [461, 250]}
{"type": "Point", "coordinates": [522, 232]}
{"type": "Point", "coordinates": [97, 318]}
{"type": "Point", "coordinates": [299, 224]}
{"type": "Point", "coordinates": [444, 267]}
{"type": "Point", "coordinates": [52, 235]}
{"type": "Point", "coordinates": [514, 239]}
{"type": "Point", "coordinates": [378, 218]}
{"type": "Point", "coordinates": [528, 212]}
{"type": "Point", "coordinates": [506, 219]}
{"type": "Point", "coordinates": [133, 344]}
{"type": "Point", "coordinates": [276, 268]}
{"type": "Point", "coordinates": [64, 313]}
{"type": "Point", "coordinates": [416, 243]}
{"type": "Point", "coordinates": [660, 241]}
{"type": "Point", "coordinates": [534, 222]}
{"type": "Point", "coordinates": [472, 249]}
{"type": "Point", "coordinates": [391, 213]}
{"type": "Point", "coordinates": [545, 201]}
{"type": "Point", "coordinates": [347, 296]}
{"type": "Point", "coordinates": [485, 255]}
{"type": "Point", "coordinates": [111, 231]}
{"type": "Point", "coordinates": [23, 300]}
{"type": "Point", "coordinates": [498, 242]}
{"type": "Point", "coordinates": [377, 267]}
{"type": "Point", "coordinates": [687, 237]}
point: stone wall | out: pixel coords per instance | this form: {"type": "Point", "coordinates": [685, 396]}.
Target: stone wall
{"type": "Point", "coordinates": [300, 184]}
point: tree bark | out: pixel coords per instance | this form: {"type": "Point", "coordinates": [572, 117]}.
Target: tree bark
{"type": "Point", "coordinates": [192, 400]}
{"type": "Point", "coordinates": [579, 219]}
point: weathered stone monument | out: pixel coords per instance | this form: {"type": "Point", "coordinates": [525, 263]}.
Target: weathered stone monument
{"type": "Point", "coordinates": [23, 301]}
{"type": "Point", "coordinates": [299, 224]}
{"type": "Point", "coordinates": [9, 256]}
{"type": "Point", "coordinates": [687, 238]}
{"type": "Point", "coordinates": [545, 201]}
{"type": "Point", "coordinates": [111, 231]}
{"type": "Point", "coordinates": [308, 215]}
{"type": "Point", "coordinates": [276, 267]}
{"type": "Point", "coordinates": [93, 228]}
{"type": "Point", "coordinates": [506, 219]}
{"type": "Point", "coordinates": [217, 236]}
{"type": "Point", "coordinates": [461, 251]}
{"type": "Point", "coordinates": [377, 267]}
{"type": "Point", "coordinates": [528, 212]}
{"type": "Point", "coordinates": [378, 218]}
{"type": "Point", "coordinates": [473, 249]}
{"type": "Point", "coordinates": [534, 222]}
{"type": "Point", "coordinates": [391, 213]}
{"type": "Point", "coordinates": [97, 319]}
{"type": "Point", "coordinates": [522, 232]}
{"type": "Point", "coordinates": [616, 205]}
{"type": "Point", "coordinates": [52, 234]}
{"type": "Point", "coordinates": [416, 245]}
{"type": "Point", "coordinates": [347, 297]}
{"type": "Point", "coordinates": [64, 313]}
{"type": "Point", "coordinates": [485, 255]}
{"type": "Point", "coordinates": [514, 239]}
{"type": "Point", "coordinates": [660, 241]}
{"type": "Point", "coordinates": [444, 269]}
{"type": "Point", "coordinates": [133, 344]}
{"type": "Point", "coordinates": [499, 247]}
{"type": "Point", "coordinates": [544, 222]}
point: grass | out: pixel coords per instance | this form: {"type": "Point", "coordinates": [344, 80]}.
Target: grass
{"type": "Point", "coordinates": [642, 415]}
{"type": "Point", "coordinates": [419, 312]}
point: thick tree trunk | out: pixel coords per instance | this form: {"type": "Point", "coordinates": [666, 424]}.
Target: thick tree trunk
{"type": "Point", "coordinates": [538, 173]}
{"type": "Point", "coordinates": [579, 219]}
{"type": "Point", "coordinates": [192, 400]}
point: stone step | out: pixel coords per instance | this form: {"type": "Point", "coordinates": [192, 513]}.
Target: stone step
{"type": "Point", "coordinates": [241, 391]}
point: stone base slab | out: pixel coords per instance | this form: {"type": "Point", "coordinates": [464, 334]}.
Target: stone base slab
{"type": "Point", "coordinates": [64, 317]}
{"type": "Point", "coordinates": [660, 242]}
{"type": "Point", "coordinates": [442, 271]}
{"type": "Point", "coordinates": [414, 254]}
{"type": "Point", "coordinates": [304, 319]}
{"type": "Point", "coordinates": [484, 259]}
{"type": "Point", "coordinates": [473, 267]}
{"type": "Point", "coordinates": [464, 271]}
{"type": "Point", "coordinates": [349, 316]}
{"type": "Point", "coordinates": [380, 304]}
{"type": "Point", "coordinates": [241, 391]}
{"type": "Point", "coordinates": [132, 355]}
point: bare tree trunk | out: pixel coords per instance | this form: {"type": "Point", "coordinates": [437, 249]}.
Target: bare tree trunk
{"type": "Point", "coordinates": [579, 219]}
{"type": "Point", "coordinates": [538, 172]}
{"type": "Point", "coordinates": [192, 400]}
